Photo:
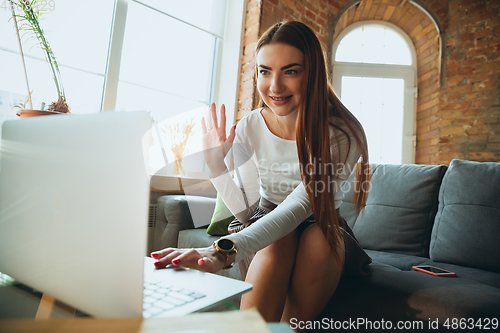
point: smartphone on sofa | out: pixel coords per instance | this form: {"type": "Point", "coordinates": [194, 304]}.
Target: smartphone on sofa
{"type": "Point", "coordinates": [433, 270]}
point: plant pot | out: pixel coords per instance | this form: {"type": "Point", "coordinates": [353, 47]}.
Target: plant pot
{"type": "Point", "coordinates": [36, 113]}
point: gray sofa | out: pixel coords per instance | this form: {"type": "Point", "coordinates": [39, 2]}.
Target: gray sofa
{"type": "Point", "coordinates": [447, 217]}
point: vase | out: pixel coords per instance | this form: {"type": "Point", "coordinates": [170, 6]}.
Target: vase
{"type": "Point", "coordinates": [179, 170]}
{"type": "Point", "coordinates": [36, 113]}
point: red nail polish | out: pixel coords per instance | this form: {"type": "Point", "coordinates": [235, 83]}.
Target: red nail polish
{"type": "Point", "coordinates": [176, 261]}
{"type": "Point", "coordinates": [201, 262]}
{"type": "Point", "coordinates": [154, 255]}
{"type": "Point", "coordinates": [157, 264]}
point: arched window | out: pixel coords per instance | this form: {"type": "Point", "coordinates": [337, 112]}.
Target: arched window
{"type": "Point", "coordinates": [374, 75]}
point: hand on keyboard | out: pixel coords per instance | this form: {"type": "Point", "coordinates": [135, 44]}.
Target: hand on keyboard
{"type": "Point", "coordinates": [206, 258]}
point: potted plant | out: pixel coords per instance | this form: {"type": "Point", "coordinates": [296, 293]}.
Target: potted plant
{"type": "Point", "coordinates": [29, 20]}
{"type": "Point", "coordinates": [180, 134]}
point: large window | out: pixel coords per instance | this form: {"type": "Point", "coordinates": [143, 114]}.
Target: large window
{"type": "Point", "coordinates": [160, 56]}
{"type": "Point", "coordinates": [78, 33]}
{"type": "Point", "coordinates": [374, 76]}
{"type": "Point", "coordinates": [168, 55]}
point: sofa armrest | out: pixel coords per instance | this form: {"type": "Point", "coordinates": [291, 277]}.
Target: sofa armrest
{"type": "Point", "coordinates": [175, 213]}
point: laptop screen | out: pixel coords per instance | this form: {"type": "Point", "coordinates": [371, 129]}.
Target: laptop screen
{"type": "Point", "coordinates": [74, 197]}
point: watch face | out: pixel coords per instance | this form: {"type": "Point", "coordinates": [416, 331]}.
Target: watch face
{"type": "Point", "coordinates": [225, 244]}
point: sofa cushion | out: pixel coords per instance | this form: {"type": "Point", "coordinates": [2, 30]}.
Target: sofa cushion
{"type": "Point", "coordinates": [400, 209]}
{"type": "Point", "coordinates": [193, 238]}
{"type": "Point", "coordinates": [469, 273]}
{"type": "Point", "coordinates": [467, 226]}
{"type": "Point", "coordinates": [402, 262]}
{"type": "Point", "coordinates": [405, 263]}
{"type": "Point", "coordinates": [179, 212]}
{"type": "Point", "coordinates": [392, 295]}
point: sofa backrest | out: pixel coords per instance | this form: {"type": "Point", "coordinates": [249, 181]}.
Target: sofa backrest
{"type": "Point", "coordinates": [467, 226]}
{"type": "Point", "coordinates": [400, 209]}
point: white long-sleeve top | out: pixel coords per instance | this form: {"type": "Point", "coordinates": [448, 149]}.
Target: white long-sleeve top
{"type": "Point", "coordinates": [268, 166]}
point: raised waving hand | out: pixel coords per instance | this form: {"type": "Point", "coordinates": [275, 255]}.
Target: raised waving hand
{"type": "Point", "coordinates": [215, 142]}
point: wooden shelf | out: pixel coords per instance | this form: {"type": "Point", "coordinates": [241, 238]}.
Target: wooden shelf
{"type": "Point", "coordinates": [182, 185]}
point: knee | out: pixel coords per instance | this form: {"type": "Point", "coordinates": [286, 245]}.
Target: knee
{"type": "Point", "coordinates": [285, 247]}
{"type": "Point", "coordinates": [315, 246]}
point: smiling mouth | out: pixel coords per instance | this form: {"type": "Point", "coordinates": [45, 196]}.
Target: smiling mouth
{"type": "Point", "coordinates": [280, 98]}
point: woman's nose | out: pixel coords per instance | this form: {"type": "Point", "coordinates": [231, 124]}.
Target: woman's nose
{"type": "Point", "coordinates": [276, 85]}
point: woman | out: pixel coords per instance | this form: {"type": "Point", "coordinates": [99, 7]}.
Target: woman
{"type": "Point", "coordinates": [295, 153]}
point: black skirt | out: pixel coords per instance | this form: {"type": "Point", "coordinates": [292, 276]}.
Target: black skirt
{"type": "Point", "coordinates": [357, 262]}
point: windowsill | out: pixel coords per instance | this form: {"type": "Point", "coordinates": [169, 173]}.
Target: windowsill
{"type": "Point", "coordinates": [180, 184]}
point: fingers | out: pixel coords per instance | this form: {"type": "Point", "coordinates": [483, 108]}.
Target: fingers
{"type": "Point", "coordinates": [177, 257]}
{"type": "Point", "coordinates": [213, 116]}
{"type": "Point", "coordinates": [220, 128]}
{"type": "Point", "coordinates": [187, 259]}
{"type": "Point", "coordinates": [223, 117]}
{"type": "Point", "coordinates": [221, 131]}
{"type": "Point", "coordinates": [165, 257]}
{"type": "Point", "coordinates": [203, 125]}
{"type": "Point", "coordinates": [206, 259]}
{"type": "Point", "coordinates": [232, 134]}
{"type": "Point", "coordinates": [229, 141]}
{"type": "Point", "coordinates": [206, 264]}
{"type": "Point", "coordinates": [162, 253]}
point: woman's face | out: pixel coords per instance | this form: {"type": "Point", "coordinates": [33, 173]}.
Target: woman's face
{"type": "Point", "coordinates": [280, 75]}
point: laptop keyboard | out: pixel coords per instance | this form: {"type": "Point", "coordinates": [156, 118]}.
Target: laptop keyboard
{"type": "Point", "coordinates": [160, 297]}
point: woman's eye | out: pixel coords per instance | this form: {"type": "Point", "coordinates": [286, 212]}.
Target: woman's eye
{"type": "Point", "coordinates": [291, 71]}
{"type": "Point", "coordinates": [263, 72]}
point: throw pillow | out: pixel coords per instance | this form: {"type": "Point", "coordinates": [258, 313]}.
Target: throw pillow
{"type": "Point", "coordinates": [220, 219]}
{"type": "Point", "coordinates": [467, 226]}
{"type": "Point", "coordinates": [400, 208]}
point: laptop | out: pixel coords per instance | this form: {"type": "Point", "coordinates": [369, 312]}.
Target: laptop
{"type": "Point", "coordinates": [74, 197]}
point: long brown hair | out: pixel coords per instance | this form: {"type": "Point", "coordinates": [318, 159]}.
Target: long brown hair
{"type": "Point", "coordinates": [318, 105]}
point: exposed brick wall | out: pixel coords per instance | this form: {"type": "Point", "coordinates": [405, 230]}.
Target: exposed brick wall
{"type": "Point", "coordinates": [469, 103]}
{"type": "Point", "coordinates": [246, 100]}
{"type": "Point", "coordinates": [458, 106]}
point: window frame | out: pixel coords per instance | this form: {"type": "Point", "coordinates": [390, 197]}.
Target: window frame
{"type": "Point", "coordinates": [228, 50]}
{"type": "Point", "coordinates": [226, 65]}
{"type": "Point", "coordinates": [407, 73]}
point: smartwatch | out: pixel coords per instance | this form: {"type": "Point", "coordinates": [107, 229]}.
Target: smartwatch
{"type": "Point", "coordinates": [227, 248]}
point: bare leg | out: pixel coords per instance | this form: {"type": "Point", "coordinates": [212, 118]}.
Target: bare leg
{"type": "Point", "coordinates": [270, 273]}
{"type": "Point", "coordinates": [314, 278]}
